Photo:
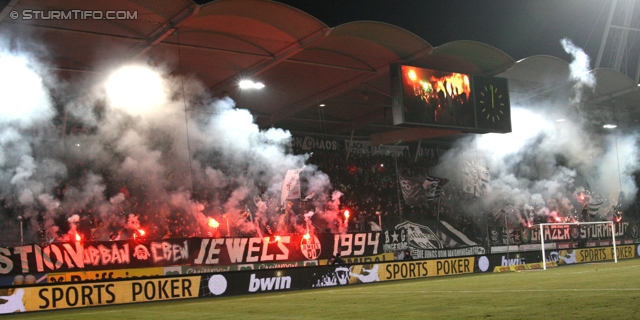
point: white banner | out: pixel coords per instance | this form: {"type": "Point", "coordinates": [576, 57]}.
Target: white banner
{"type": "Point", "coordinates": [475, 178]}
{"type": "Point", "coordinates": [291, 185]}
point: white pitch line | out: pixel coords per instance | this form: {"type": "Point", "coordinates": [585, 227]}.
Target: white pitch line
{"type": "Point", "coordinates": [85, 313]}
{"type": "Point", "coordinates": [506, 291]}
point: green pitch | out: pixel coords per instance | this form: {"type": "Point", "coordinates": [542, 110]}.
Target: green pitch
{"type": "Point", "coordinates": [585, 291]}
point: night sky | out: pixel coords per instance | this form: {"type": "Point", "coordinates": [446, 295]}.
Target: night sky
{"type": "Point", "coordinates": [518, 28]}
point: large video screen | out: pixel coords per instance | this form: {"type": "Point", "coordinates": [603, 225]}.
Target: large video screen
{"type": "Point", "coordinates": [426, 97]}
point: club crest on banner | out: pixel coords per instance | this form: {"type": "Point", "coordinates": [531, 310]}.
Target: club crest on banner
{"type": "Point", "coordinates": [494, 235]}
{"type": "Point", "coordinates": [634, 232]}
{"type": "Point", "coordinates": [311, 248]}
{"type": "Point", "coordinates": [141, 252]}
{"type": "Point", "coordinates": [421, 236]}
{"type": "Point", "coordinates": [575, 232]}
{"type": "Point", "coordinates": [396, 241]}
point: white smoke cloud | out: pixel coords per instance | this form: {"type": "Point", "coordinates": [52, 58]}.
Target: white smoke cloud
{"type": "Point", "coordinates": [542, 163]}
{"type": "Point", "coordinates": [25, 100]}
{"type": "Point", "coordinates": [578, 70]}
{"type": "Point", "coordinates": [141, 146]}
{"type": "Point", "coordinates": [616, 168]}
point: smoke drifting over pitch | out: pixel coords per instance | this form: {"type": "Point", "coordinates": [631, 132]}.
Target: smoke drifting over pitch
{"type": "Point", "coordinates": [544, 163]}
{"type": "Point", "coordinates": [121, 149]}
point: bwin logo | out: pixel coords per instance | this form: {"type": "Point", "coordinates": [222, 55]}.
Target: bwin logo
{"type": "Point", "coordinates": [512, 262]}
{"type": "Point", "coordinates": [268, 284]}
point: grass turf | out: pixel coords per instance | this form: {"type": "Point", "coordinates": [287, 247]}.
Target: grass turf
{"type": "Point", "coordinates": [585, 291]}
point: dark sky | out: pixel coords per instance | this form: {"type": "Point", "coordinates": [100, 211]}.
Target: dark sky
{"type": "Point", "coordinates": [520, 28]}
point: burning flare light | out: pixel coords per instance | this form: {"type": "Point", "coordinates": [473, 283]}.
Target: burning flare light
{"type": "Point", "coordinates": [78, 238]}
{"type": "Point", "coordinates": [213, 223]}
{"type": "Point", "coordinates": [135, 89]}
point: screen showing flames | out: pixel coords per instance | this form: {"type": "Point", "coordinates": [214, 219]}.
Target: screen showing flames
{"type": "Point", "coordinates": [438, 98]}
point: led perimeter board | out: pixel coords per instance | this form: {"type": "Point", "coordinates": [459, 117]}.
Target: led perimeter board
{"type": "Point", "coordinates": [433, 98]}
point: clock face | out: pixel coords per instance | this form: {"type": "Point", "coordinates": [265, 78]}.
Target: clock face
{"type": "Point", "coordinates": [492, 104]}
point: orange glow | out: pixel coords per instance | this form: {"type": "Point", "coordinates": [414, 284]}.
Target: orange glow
{"type": "Point", "coordinates": [78, 238]}
{"type": "Point", "coordinates": [346, 214]}
{"type": "Point", "coordinates": [412, 75]}
{"type": "Point", "coordinates": [213, 223]}
{"type": "Point", "coordinates": [306, 236]}
{"type": "Point", "coordinates": [454, 84]}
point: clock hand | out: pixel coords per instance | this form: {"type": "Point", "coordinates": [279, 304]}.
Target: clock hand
{"type": "Point", "coordinates": [492, 103]}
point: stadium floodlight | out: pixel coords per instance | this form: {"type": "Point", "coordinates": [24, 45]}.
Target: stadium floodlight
{"type": "Point", "coordinates": [248, 84]}
{"type": "Point", "coordinates": [542, 225]}
{"type": "Point", "coordinates": [609, 126]}
{"type": "Point", "coordinates": [135, 89]}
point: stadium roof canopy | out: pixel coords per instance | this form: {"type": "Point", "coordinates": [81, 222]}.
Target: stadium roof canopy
{"type": "Point", "coordinates": [303, 62]}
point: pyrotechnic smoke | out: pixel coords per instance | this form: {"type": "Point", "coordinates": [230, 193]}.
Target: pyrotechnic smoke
{"type": "Point", "coordinates": [538, 167]}
{"type": "Point", "coordinates": [130, 157]}
{"type": "Point", "coordinates": [579, 71]}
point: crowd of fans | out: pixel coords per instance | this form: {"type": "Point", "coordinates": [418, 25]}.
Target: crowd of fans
{"type": "Point", "coordinates": [371, 192]}
{"type": "Point", "coordinates": [368, 184]}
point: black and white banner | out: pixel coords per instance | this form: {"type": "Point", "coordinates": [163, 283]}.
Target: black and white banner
{"type": "Point", "coordinates": [561, 233]}
{"type": "Point", "coordinates": [433, 239]}
{"type": "Point", "coordinates": [74, 256]}
{"type": "Point", "coordinates": [197, 252]}
{"type": "Point", "coordinates": [365, 148]}
{"type": "Point", "coordinates": [417, 191]}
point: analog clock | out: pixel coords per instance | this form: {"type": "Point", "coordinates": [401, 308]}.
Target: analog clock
{"type": "Point", "coordinates": [492, 104]}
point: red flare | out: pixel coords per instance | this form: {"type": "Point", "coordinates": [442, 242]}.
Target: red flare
{"type": "Point", "coordinates": [78, 238]}
{"type": "Point", "coordinates": [307, 236]}
{"type": "Point", "coordinates": [277, 238]}
{"type": "Point", "coordinates": [213, 223]}
{"type": "Point", "coordinates": [346, 214]}
{"type": "Point", "coordinates": [141, 232]}
{"type": "Point", "coordinates": [558, 219]}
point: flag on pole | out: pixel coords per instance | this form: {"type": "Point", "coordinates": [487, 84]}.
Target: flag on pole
{"type": "Point", "coordinates": [291, 186]}
{"type": "Point", "coordinates": [433, 187]}
{"type": "Point", "coordinates": [412, 191]}
{"type": "Point", "coordinates": [418, 192]}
